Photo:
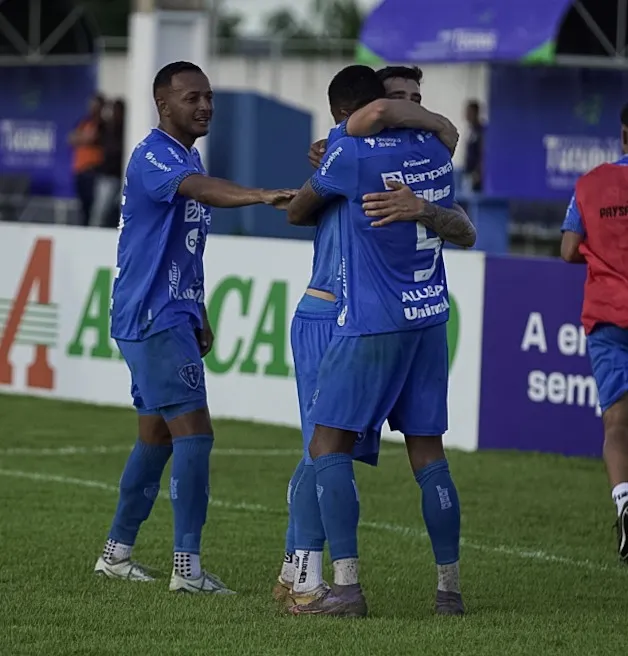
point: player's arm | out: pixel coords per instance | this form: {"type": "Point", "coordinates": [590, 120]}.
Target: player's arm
{"type": "Point", "coordinates": [337, 176]}
{"type": "Point", "coordinates": [386, 113]}
{"type": "Point", "coordinates": [223, 193]}
{"type": "Point", "coordinates": [573, 234]}
{"type": "Point", "coordinates": [400, 204]}
{"type": "Point", "coordinates": [164, 175]}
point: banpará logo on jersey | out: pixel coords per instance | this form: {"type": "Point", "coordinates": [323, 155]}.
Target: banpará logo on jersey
{"type": "Point", "coordinates": [175, 154]}
{"type": "Point", "coordinates": [409, 163]}
{"type": "Point", "coordinates": [330, 160]}
{"type": "Point", "coordinates": [416, 295]}
{"type": "Point", "coordinates": [150, 156]}
{"type": "Point", "coordinates": [415, 178]}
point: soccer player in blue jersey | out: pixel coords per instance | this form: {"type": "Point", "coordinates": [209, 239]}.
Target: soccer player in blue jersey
{"type": "Point", "coordinates": [300, 580]}
{"type": "Point", "coordinates": [388, 357]}
{"type": "Point", "coordinates": [160, 324]}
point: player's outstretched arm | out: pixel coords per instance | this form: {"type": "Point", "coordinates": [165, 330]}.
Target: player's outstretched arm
{"type": "Point", "coordinates": [400, 204]}
{"type": "Point", "coordinates": [387, 113]}
{"type": "Point", "coordinates": [222, 193]}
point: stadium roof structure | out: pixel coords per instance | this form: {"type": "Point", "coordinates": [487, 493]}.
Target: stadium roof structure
{"type": "Point", "coordinates": [45, 32]}
{"type": "Point", "coordinates": [589, 33]}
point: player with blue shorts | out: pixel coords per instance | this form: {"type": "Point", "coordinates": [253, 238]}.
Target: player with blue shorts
{"type": "Point", "coordinates": [388, 358]}
{"type": "Point", "coordinates": [300, 580]}
{"type": "Point", "coordinates": [160, 324]}
{"type": "Point", "coordinates": [595, 233]}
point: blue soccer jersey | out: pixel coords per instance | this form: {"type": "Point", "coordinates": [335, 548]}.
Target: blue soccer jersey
{"type": "Point", "coordinates": [160, 281]}
{"type": "Point", "coordinates": [393, 277]}
{"type": "Point", "coordinates": [326, 260]}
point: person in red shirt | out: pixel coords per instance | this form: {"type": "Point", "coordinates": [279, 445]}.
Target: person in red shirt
{"type": "Point", "coordinates": [595, 232]}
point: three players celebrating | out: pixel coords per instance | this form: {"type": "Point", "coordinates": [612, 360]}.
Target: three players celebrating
{"type": "Point", "coordinates": [369, 335]}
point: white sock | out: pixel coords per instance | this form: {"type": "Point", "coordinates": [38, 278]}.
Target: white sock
{"type": "Point", "coordinates": [449, 577]}
{"type": "Point", "coordinates": [308, 573]}
{"type": "Point", "coordinates": [114, 551]}
{"type": "Point", "coordinates": [346, 571]}
{"type": "Point", "coordinates": [287, 569]}
{"type": "Point", "coordinates": [187, 565]}
{"type": "Point", "coordinates": [620, 496]}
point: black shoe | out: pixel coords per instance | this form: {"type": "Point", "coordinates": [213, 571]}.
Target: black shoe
{"type": "Point", "coordinates": [449, 603]}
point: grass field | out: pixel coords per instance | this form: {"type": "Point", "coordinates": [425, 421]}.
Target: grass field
{"type": "Point", "coordinates": [538, 563]}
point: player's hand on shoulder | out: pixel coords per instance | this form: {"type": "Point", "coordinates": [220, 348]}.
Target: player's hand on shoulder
{"type": "Point", "coordinates": [399, 204]}
{"type": "Point", "coordinates": [317, 150]}
{"type": "Point", "coordinates": [279, 198]}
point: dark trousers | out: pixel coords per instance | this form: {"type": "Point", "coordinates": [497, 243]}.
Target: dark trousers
{"type": "Point", "coordinates": [84, 185]}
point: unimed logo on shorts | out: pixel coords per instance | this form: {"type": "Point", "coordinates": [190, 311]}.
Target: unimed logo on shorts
{"type": "Point", "coordinates": [30, 319]}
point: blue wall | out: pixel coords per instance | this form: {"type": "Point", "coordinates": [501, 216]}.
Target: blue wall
{"type": "Point", "coordinates": [258, 142]}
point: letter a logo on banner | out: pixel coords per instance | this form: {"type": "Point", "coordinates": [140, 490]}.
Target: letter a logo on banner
{"type": "Point", "coordinates": [36, 277]}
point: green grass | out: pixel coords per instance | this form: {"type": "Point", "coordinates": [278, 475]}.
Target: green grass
{"type": "Point", "coordinates": [538, 563]}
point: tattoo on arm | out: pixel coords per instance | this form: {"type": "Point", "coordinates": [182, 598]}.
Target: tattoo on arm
{"type": "Point", "coordinates": [451, 225]}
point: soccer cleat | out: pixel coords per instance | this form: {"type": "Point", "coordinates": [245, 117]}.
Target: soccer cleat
{"type": "Point", "coordinates": [205, 584]}
{"type": "Point", "coordinates": [281, 590]}
{"type": "Point", "coordinates": [305, 598]}
{"type": "Point", "coordinates": [335, 601]}
{"type": "Point", "coordinates": [449, 603]}
{"type": "Point", "coordinates": [122, 569]}
{"type": "Point", "coordinates": [622, 534]}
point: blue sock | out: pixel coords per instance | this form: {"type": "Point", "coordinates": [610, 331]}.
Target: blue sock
{"type": "Point", "coordinates": [339, 504]}
{"type": "Point", "coordinates": [189, 490]}
{"type": "Point", "coordinates": [441, 511]}
{"type": "Point", "coordinates": [139, 487]}
{"type": "Point", "coordinates": [296, 476]}
{"type": "Point", "coordinates": [309, 531]}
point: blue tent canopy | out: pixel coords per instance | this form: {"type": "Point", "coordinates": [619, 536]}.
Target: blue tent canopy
{"type": "Point", "coordinates": [424, 31]}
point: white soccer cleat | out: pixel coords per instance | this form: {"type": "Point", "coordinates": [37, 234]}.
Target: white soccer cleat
{"type": "Point", "coordinates": [205, 584]}
{"type": "Point", "coordinates": [122, 569]}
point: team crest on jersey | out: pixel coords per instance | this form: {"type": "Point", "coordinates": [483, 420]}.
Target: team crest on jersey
{"type": "Point", "coordinates": [190, 374]}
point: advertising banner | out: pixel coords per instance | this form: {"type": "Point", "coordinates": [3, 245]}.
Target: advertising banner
{"type": "Point", "coordinates": [548, 126]}
{"type": "Point", "coordinates": [39, 107]}
{"type": "Point", "coordinates": [537, 389]}
{"type": "Point", "coordinates": [54, 323]}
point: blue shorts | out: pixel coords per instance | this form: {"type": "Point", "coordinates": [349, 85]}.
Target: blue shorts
{"type": "Point", "coordinates": [167, 374]}
{"type": "Point", "coordinates": [402, 377]}
{"type": "Point", "coordinates": [608, 350]}
{"type": "Point", "coordinates": [310, 334]}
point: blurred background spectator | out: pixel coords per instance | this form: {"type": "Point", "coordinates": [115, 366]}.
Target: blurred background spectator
{"type": "Point", "coordinates": [474, 147]}
{"type": "Point", "coordinates": [105, 209]}
{"type": "Point", "coordinates": [87, 141]}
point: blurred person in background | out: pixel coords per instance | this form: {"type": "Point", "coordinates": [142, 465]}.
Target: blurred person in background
{"type": "Point", "coordinates": [108, 183]}
{"type": "Point", "coordinates": [474, 148]}
{"type": "Point", "coordinates": [86, 139]}
{"type": "Point", "coordinates": [595, 232]}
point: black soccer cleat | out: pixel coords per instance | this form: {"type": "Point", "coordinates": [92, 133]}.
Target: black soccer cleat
{"type": "Point", "coordinates": [622, 534]}
{"type": "Point", "coordinates": [449, 603]}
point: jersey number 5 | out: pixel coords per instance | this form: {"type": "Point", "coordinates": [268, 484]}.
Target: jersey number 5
{"type": "Point", "coordinates": [425, 243]}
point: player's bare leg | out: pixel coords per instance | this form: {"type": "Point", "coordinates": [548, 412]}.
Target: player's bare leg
{"type": "Point", "coordinates": [139, 487]}
{"type": "Point", "coordinates": [330, 450]}
{"type": "Point", "coordinates": [192, 440]}
{"type": "Point", "coordinates": [441, 512]}
{"type": "Point", "coordinates": [616, 458]}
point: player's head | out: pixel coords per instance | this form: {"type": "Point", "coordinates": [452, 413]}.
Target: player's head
{"type": "Point", "coordinates": [352, 88]}
{"type": "Point", "coordinates": [402, 82]}
{"type": "Point", "coordinates": [472, 112]}
{"type": "Point", "coordinates": [624, 130]}
{"type": "Point", "coordinates": [184, 99]}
